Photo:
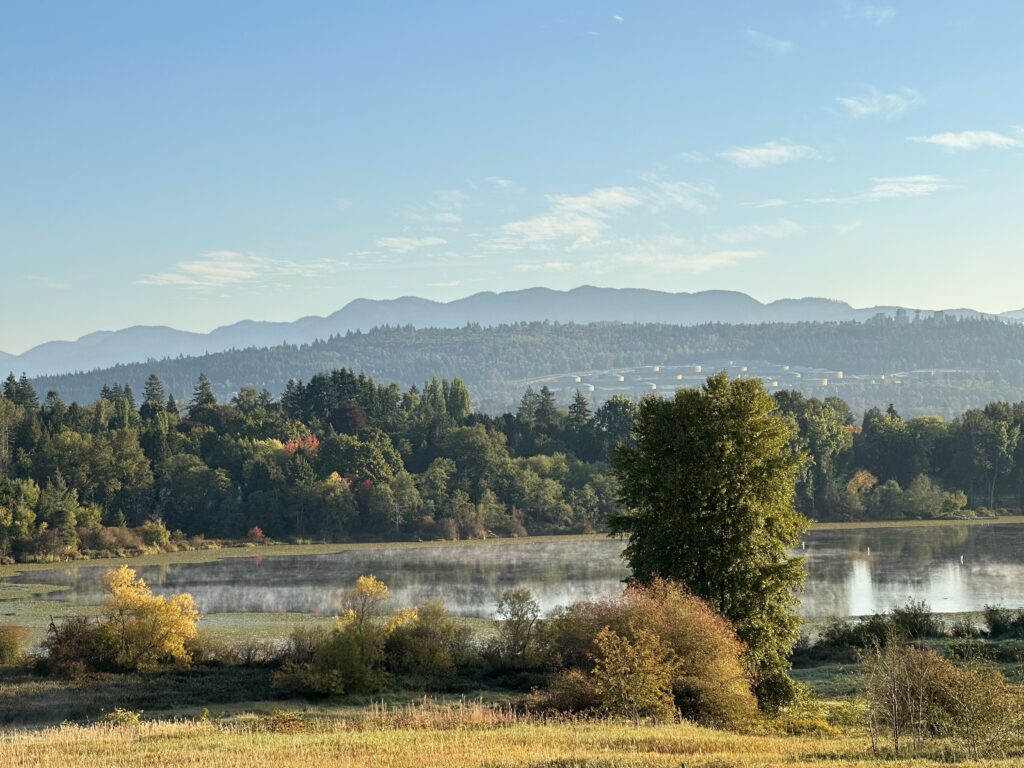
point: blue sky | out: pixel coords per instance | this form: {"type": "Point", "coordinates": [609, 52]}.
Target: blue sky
{"type": "Point", "coordinates": [196, 163]}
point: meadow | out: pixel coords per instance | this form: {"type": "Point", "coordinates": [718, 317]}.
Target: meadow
{"type": "Point", "coordinates": [461, 734]}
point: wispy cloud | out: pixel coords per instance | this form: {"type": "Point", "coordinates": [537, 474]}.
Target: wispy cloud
{"type": "Point", "coordinates": [219, 269]}
{"type": "Point", "coordinates": [49, 282]}
{"type": "Point", "coordinates": [583, 220]}
{"type": "Point", "coordinates": [876, 15]}
{"type": "Point", "coordinates": [443, 210]}
{"type": "Point", "coordinates": [893, 188]}
{"type": "Point", "coordinates": [770, 153]}
{"type": "Point", "coordinates": [890, 187]}
{"type": "Point", "coordinates": [408, 244]}
{"type": "Point", "coordinates": [755, 232]}
{"type": "Point", "coordinates": [772, 202]}
{"type": "Point", "coordinates": [888, 105]}
{"type": "Point", "coordinates": [499, 183]}
{"type": "Point", "coordinates": [967, 140]}
{"type": "Point", "coordinates": [618, 19]}
{"type": "Point", "coordinates": [545, 266]}
{"type": "Point", "coordinates": [673, 254]}
{"type": "Point", "coordinates": [768, 43]}
{"type": "Point", "coordinates": [848, 227]}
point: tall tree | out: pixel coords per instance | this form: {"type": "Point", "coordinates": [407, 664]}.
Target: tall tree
{"type": "Point", "coordinates": [709, 490]}
{"type": "Point", "coordinates": [153, 397]}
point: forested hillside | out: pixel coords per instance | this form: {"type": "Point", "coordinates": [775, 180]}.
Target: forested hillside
{"type": "Point", "coordinates": [341, 456]}
{"type": "Point", "coordinates": [986, 356]}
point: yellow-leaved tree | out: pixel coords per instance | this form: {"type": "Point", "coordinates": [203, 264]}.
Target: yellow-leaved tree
{"type": "Point", "coordinates": [145, 629]}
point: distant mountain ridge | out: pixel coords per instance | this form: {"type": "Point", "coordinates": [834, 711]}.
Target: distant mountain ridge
{"type": "Point", "coordinates": [586, 304]}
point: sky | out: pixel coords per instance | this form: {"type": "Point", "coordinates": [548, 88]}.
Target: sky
{"type": "Point", "coordinates": [193, 164]}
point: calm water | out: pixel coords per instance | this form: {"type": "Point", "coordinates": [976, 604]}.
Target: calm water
{"type": "Point", "coordinates": [850, 573]}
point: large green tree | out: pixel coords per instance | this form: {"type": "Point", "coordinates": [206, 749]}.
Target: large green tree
{"type": "Point", "coordinates": [708, 484]}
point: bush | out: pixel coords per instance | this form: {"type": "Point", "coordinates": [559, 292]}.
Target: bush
{"type": "Point", "coordinates": [137, 630]}
{"type": "Point", "coordinates": [76, 646]}
{"type": "Point", "coordinates": [120, 716]}
{"type": "Point", "coordinates": [12, 644]}
{"type": "Point", "coordinates": [154, 534]}
{"type": "Point", "coordinates": [711, 684]}
{"type": "Point", "coordinates": [917, 694]}
{"type": "Point", "coordinates": [635, 677]}
{"type": "Point", "coordinates": [514, 645]}
{"type": "Point", "coordinates": [111, 539]}
{"type": "Point", "coordinates": [915, 621]}
{"type": "Point", "coordinates": [426, 645]}
{"type": "Point", "coordinates": [349, 658]}
{"type": "Point", "coordinates": [1002, 622]}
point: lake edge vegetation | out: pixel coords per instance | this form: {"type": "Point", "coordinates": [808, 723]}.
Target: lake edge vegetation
{"type": "Point", "coordinates": [342, 458]}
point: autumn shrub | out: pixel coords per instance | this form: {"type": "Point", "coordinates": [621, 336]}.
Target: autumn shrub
{"type": "Point", "coordinates": [111, 539]}
{"type": "Point", "coordinates": [426, 645]}
{"type": "Point", "coordinates": [12, 644]}
{"type": "Point", "coordinates": [710, 684]}
{"type": "Point", "coordinates": [634, 676]}
{"type": "Point", "coordinates": [349, 658]}
{"type": "Point", "coordinates": [136, 630]}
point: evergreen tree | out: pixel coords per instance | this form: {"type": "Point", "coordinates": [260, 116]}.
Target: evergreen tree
{"type": "Point", "coordinates": [202, 395]}
{"type": "Point", "coordinates": [153, 397]}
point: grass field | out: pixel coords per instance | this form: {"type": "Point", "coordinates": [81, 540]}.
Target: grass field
{"type": "Point", "coordinates": [452, 736]}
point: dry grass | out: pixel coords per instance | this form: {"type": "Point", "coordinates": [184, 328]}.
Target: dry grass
{"type": "Point", "coordinates": [424, 736]}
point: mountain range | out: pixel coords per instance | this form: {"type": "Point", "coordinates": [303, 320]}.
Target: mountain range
{"type": "Point", "coordinates": [586, 304]}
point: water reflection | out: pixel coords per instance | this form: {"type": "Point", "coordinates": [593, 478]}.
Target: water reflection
{"type": "Point", "coordinates": [849, 573]}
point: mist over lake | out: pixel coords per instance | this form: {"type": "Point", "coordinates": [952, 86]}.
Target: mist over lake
{"type": "Point", "coordinates": [850, 573]}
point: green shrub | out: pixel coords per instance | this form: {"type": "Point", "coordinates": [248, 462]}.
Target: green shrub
{"type": "Point", "coordinates": [1002, 622]}
{"type": "Point", "coordinates": [634, 677]}
{"type": "Point", "coordinates": [12, 644]}
{"type": "Point", "coordinates": [916, 621]}
{"type": "Point", "coordinates": [120, 716]}
{"type": "Point", "coordinates": [426, 645]}
{"type": "Point", "coordinates": [914, 694]}
{"type": "Point", "coordinates": [514, 645]}
{"type": "Point", "coordinates": [349, 658]}
{"type": "Point", "coordinates": [154, 534]}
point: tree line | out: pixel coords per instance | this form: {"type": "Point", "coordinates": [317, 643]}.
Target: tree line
{"type": "Point", "coordinates": [493, 361]}
{"type": "Point", "coordinates": [341, 456]}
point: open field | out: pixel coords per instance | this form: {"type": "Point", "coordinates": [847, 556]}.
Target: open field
{"type": "Point", "coordinates": [466, 738]}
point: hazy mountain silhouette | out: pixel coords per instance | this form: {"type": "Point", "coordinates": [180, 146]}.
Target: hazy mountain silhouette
{"type": "Point", "coordinates": [586, 304]}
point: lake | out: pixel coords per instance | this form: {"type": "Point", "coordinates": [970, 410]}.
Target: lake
{"type": "Point", "coordinates": [850, 573]}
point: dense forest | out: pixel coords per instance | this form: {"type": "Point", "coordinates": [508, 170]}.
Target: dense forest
{"type": "Point", "coordinates": [342, 456]}
{"type": "Point", "coordinates": [988, 356]}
